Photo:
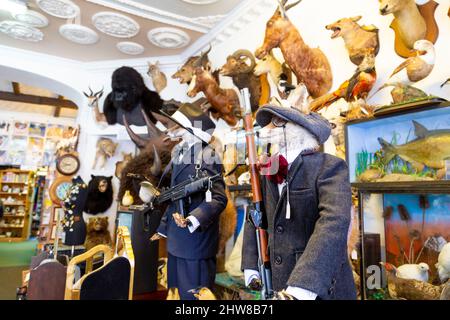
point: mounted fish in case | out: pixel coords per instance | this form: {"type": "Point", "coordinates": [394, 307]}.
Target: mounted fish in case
{"type": "Point", "coordinates": [411, 145]}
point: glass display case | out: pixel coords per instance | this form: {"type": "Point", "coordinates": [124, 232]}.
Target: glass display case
{"type": "Point", "coordinates": [411, 143]}
{"type": "Point", "coordinates": [405, 240]}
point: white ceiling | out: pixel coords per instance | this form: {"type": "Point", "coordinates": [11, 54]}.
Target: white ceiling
{"type": "Point", "coordinates": [192, 20]}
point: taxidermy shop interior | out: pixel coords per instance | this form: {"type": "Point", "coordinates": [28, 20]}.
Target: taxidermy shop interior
{"type": "Point", "coordinates": [224, 150]}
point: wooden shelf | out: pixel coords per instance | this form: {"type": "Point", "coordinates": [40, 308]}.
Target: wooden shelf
{"type": "Point", "coordinates": [13, 204]}
{"type": "Point", "coordinates": [13, 194]}
{"type": "Point", "coordinates": [442, 186]}
{"type": "Point", "coordinates": [6, 239]}
{"type": "Point", "coordinates": [14, 215]}
{"type": "Point", "coordinates": [12, 227]}
{"type": "Point", "coordinates": [8, 182]}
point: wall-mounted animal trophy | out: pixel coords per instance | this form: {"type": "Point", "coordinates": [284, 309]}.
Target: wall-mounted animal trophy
{"type": "Point", "coordinates": [357, 87]}
{"type": "Point", "coordinates": [310, 65]}
{"type": "Point", "coordinates": [106, 149]}
{"type": "Point", "coordinates": [129, 94]}
{"type": "Point", "coordinates": [280, 74]}
{"type": "Point", "coordinates": [224, 102]}
{"type": "Point", "coordinates": [358, 39]}
{"type": "Point", "coordinates": [242, 74]}
{"type": "Point", "coordinates": [93, 99]}
{"type": "Point", "coordinates": [411, 22]}
{"type": "Point", "coordinates": [122, 164]}
{"type": "Point", "coordinates": [159, 79]}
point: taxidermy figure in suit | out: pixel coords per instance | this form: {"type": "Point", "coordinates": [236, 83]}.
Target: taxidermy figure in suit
{"type": "Point", "coordinates": [307, 199]}
{"type": "Point", "coordinates": [192, 241]}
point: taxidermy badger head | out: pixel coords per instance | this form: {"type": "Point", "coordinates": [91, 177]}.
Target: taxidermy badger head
{"type": "Point", "coordinates": [100, 195]}
{"type": "Point", "coordinates": [129, 92]}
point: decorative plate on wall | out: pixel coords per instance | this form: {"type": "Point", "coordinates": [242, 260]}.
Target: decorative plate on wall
{"type": "Point", "coordinates": [78, 33]}
{"type": "Point", "coordinates": [168, 38]}
{"type": "Point", "coordinates": [115, 24]}
{"type": "Point", "coordinates": [131, 48]}
{"type": "Point", "coordinates": [64, 9]}
{"type": "Point", "coordinates": [21, 31]}
{"type": "Point", "coordinates": [32, 18]}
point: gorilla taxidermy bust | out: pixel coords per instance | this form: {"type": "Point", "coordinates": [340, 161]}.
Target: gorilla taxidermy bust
{"type": "Point", "coordinates": [100, 195]}
{"type": "Point", "coordinates": [129, 94]}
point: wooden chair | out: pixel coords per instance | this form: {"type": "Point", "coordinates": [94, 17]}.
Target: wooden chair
{"type": "Point", "coordinates": [112, 281]}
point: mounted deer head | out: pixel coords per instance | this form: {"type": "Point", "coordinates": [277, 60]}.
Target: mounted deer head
{"type": "Point", "coordinates": [276, 28]}
{"type": "Point", "coordinates": [93, 98]}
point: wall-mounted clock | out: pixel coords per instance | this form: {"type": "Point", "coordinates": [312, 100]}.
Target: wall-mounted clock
{"type": "Point", "coordinates": [60, 189]}
{"type": "Point", "coordinates": [68, 164]}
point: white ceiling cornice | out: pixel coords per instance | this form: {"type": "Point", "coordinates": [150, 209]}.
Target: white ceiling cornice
{"type": "Point", "coordinates": [138, 9]}
{"type": "Point", "coordinates": [235, 21]}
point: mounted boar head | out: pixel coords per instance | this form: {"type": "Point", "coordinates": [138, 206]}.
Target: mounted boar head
{"type": "Point", "coordinates": [276, 28]}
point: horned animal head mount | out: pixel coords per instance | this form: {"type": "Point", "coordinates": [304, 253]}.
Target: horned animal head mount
{"type": "Point", "coordinates": [237, 63]}
{"type": "Point", "coordinates": [93, 98]}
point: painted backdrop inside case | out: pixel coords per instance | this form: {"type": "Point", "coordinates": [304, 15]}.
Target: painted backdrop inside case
{"type": "Point", "coordinates": [417, 227]}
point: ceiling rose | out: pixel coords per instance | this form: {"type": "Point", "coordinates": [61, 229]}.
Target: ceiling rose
{"type": "Point", "coordinates": [65, 9]}
{"type": "Point", "coordinates": [131, 48]}
{"type": "Point", "coordinates": [168, 38]}
{"type": "Point", "coordinates": [115, 24]}
{"type": "Point", "coordinates": [78, 34]}
{"type": "Point", "coordinates": [21, 31]}
{"type": "Point", "coordinates": [200, 1]}
{"type": "Point", "coordinates": [32, 18]}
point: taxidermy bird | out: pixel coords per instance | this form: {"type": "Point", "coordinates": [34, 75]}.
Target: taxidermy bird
{"type": "Point", "coordinates": [417, 68]}
{"type": "Point", "coordinates": [203, 293]}
{"type": "Point", "coordinates": [445, 83]}
{"type": "Point", "coordinates": [357, 87]}
{"type": "Point", "coordinates": [402, 92]}
{"type": "Point", "coordinates": [443, 264]}
{"type": "Point", "coordinates": [417, 272]}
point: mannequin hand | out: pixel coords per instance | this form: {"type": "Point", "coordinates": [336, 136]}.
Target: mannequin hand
{"type": "Point", "coordinates": [179, 220]}
{"type": "Point", "coordinates": [156, 237]}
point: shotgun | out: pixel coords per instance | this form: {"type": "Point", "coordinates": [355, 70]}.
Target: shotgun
{"type": "Point", "coordinates": [256, 214]}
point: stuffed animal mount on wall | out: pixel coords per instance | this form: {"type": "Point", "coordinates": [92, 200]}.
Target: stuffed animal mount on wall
{"type": "Point", "coordinates": [158, 77]}
{"type": "Point", "coordinates": [122, 164]}
{"type": "Point", "coordinates": [100, 195]}
{"type": "Point", "coordinates": [358, 39]}
{"type": "Point", "coordinates": [97, 233]}
{"type": "Point", "coordinates": [413, 20]}
{"type": "Point", "coordinates": [310, 65]}
{"type": "Point", "coordinates": [106, 148]}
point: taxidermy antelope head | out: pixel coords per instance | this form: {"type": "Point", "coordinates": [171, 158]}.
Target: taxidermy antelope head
{"type": "Point", "coordinates": [411, 24]}
{"type": "Point", "coordinates": [158, 78]}
{"type": "Point", "coordinates": [93, 98]}
{"type": "Point", "coordinates": [269, 65]}
{"type": "Point", "coordinates": [310, 65]}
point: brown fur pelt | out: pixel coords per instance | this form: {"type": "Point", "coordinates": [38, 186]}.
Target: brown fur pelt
{"type": "Point", "coordinates": [141, 164]}
{"type": "Point", "coordinates": [227, 224]}
{"type": "Point", "coordinates": [97, 232]}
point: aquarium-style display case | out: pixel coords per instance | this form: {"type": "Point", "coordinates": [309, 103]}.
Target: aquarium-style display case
{"type": "Point", "coordinates": [405, 242]}
{"type": "Point", "coordinates": [408, 144]}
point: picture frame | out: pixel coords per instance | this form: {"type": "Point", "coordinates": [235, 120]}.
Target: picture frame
{"type": "Point", "coordinates": [53, 234]}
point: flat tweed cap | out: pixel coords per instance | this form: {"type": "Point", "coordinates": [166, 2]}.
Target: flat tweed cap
{"type": "Point", "coordinates": [313, 122]}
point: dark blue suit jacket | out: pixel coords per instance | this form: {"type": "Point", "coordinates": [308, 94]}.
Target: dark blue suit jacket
{"type": "Point", "coordinates": [203, 242]}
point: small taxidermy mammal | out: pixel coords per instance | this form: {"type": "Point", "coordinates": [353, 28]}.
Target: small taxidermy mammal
{"type": "Point", "coordinates": [97, 232]}
{"type": "Point", "coordinates": [122, 164]}
{"type": "Point", "coordinates": [159, 79]}
{"type": "Point", "coordinates": [100, 195]}
{"type": "Point", "coordinates": [106, 149]}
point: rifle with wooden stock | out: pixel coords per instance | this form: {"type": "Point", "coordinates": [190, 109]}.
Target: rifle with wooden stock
{"type": "Point", "coordinates": [256, 214]}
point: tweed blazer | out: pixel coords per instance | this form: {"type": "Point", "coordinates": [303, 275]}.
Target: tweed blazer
{"type": "Point", "coordinates": [309, 250]}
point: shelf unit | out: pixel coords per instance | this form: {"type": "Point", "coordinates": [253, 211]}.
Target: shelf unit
{"type": "Point", "coordinates": [15, 192]}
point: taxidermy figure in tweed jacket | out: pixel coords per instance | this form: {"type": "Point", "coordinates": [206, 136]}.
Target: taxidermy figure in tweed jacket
{"type": "Point", "coordinates": [307, 202]}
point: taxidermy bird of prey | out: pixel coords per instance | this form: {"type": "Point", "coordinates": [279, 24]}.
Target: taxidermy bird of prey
{"type": "Point", "coordinates": [357, 87]}
{"type": "Point", "coordinates": [416, 68]}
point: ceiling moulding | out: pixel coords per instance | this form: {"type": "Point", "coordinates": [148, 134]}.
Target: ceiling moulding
{"type": "Point", "coordinates": [199, 24]}
{"type": "Point", "coordinates": [201, 2]}
{"type": "Point", "coordinates": [168, 38]}
{"type": "Point", "coordinates": [21, 31]}
{"type": "Point", "coordinates": [32, 18]}
{"type": "Point", "coordinates": [236, 21]}
{"type": "Point", "coordinates": [64, 9]}
{"type": "Point", "coordinates": [115, 24]}
{"type": "Point", "coordinates": [78, 34]}
{"type": "Point", "coordinates": [131, 48]}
